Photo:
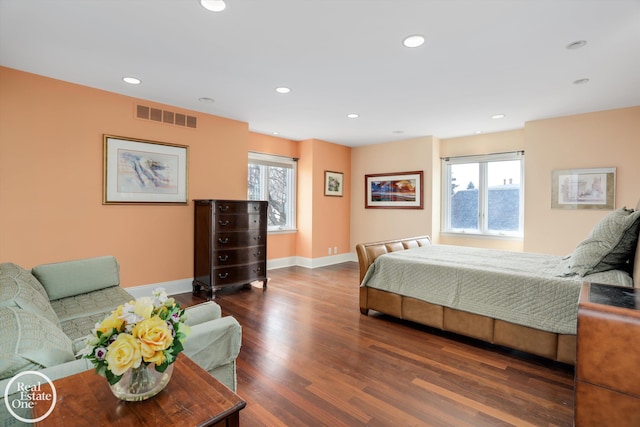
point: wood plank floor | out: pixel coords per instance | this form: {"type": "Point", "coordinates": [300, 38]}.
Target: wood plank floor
{"type": "Point", "coordinates": [309, 358]}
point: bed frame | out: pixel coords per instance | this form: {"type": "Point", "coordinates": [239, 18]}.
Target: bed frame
{"type": "Point", "coordinates": [559, 347]}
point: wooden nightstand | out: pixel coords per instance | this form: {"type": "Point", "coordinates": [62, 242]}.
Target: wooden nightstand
{"type": "Point", "coordinates": [608, 358]}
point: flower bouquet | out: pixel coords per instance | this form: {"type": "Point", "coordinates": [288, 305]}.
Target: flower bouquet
{"type": "Point", "coordinates": [137, 344]}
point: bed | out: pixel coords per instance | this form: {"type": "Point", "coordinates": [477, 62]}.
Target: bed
{"type": "Point", "coordinates": [523, 301]}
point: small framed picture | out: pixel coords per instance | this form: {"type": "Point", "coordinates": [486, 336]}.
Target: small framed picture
{"type": "Point", "coordinates": [139, 171]}
{"type": "Point", "coordinates": [333, 183]}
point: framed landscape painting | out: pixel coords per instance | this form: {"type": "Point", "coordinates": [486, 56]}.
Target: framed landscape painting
{"type": "Point", "coordinates": [583, 188]}
{"type": "Point", "coordinates": [400, 190]}
{"type": "Point", "coordinates": [140, 171]}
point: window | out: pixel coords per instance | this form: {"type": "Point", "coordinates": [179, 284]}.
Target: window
{"type": "Point", "coordinates": [273, 178]}
{"type": "Point", "coordinates": [483, 194]}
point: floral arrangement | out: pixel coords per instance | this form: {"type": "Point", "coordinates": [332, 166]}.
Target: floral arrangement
{"type": "Point", "coordinates": [138, 333]}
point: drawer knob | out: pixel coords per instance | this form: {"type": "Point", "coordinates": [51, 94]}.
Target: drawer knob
{"type": "Point", "coordinates": [223, 275]}
{"type": "Point", "coordinates": [223, 241]}
{"type": "Point", "coordinates": [223, 223]}
{"type": "Point", "coordinates": [224, 208]}
{"type": "Point", "coordinates": [257, 254]}
{"type": "Point", "coordinates": [257, 237]}
{"type": "Point", "coordinates": [223, 257]}
{"type": "Point", "coordinates": [257, 270]}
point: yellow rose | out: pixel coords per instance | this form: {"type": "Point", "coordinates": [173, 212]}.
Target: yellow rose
{"type": "Point", "coordinates": [110, 322]}
{"type": "Point", "coordinates": [157, 358]}
{"type": "Point", "coordinates": [143, 307]}
{"type": "Point", "coordinates": [123, 354]}
{"type": "Point", "coordinates": [154, 335]}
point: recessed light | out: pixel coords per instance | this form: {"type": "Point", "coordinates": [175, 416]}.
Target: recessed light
{"type": "Point", "coordinates": [213, 5]}
{"type": "Point", "coordinates": [580, 81]}
{"type": "Point", "coordinates": [498, 116]}
{"type": "Point", "coordinates": [283, 89]}
{"type": "Point", "coordinates": [132, 80]}
{"type": "Point", "coordinates": [275, 133]}
{"type": "Point", "coordinates": [353, 115]}
{"type": "Point", "coordinates": [414, 40]}
{"type": "Point", "coordinates": [576, 45]}
{"type": "Point", "coordinates": [478, 132]}
{"type": "Point", "coordinates": [206, 99]}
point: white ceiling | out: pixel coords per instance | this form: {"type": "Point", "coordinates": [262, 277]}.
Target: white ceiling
{"type": "Point", "coordinates": [481, 58]}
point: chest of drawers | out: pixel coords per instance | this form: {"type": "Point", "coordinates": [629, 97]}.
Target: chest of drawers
{"type": "Point", "coordinates": [230, 244]}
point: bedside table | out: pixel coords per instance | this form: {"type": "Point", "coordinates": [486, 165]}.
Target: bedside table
{"type": "Point", "coordinates": [608, 357]}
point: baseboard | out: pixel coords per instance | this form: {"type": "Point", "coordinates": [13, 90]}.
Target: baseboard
{"type": "Point", "coordinates": [173, 287]}
{"type": "Point", "coordinates": [182, 286]}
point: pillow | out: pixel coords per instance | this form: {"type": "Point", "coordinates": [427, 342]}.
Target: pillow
{"type": "Point", "coordinates": [69, 278]}
{"type": "Point", "coordinates": [14, 271]}
{"type": "Point", "coordinates": [18, 288]}
{"type": "Point", "coordinates": [29, 341]}
{"type": "Point", "coordinates": [610, 244]}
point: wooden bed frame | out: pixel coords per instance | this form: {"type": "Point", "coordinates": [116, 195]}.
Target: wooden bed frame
{"type": "Point", "coordinates": [558, 347]}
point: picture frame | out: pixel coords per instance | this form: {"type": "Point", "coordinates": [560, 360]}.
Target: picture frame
{"type": "Point", "coordinates": [142, 171]}
{"type": "Point", "coordinates": [583, 188]}
{"type": "Point", "coordinates": [399, 190]}
{"type": "Point", "coordinates": [333, 183]}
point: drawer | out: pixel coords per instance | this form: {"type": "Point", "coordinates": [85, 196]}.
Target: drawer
{"type": "Point", "coordinates": [238, 256]}
{"type": "Point", "coordinates": [240, 274]}
{"type": "Point", "coordinates": [239, 239]}
{"type": "Point", "coordinates": [232, 207]}
{"type": "Point", "coordinates": [224, 222]}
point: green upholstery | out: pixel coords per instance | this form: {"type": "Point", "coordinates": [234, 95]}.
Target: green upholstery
{"type": "Point", "coordinates": [65, 279]}
{"type": "Point", "coordinates": [30, 342]}
{"type": "Point", "coordinates": [18, 288]}
{"type": "Point", "coordinates": [81, 293]}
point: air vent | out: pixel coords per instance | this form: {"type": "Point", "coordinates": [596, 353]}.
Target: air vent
{"type": "Point", "coordinates": [167, 117]}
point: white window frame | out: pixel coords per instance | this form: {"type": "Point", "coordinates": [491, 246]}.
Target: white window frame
{"type": "Point", "coordinates": [483, 220]}
{"type": "Point", "coordinates": [284, 162]}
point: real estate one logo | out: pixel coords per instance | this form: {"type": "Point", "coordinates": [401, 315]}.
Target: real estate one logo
{"type": "Point", "coordinates": [22, 396]}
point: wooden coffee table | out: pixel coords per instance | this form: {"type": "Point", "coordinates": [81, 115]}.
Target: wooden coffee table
{"type": "Point", "coordinates": [192, 398]}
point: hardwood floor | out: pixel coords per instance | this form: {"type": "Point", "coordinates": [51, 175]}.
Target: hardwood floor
{"type": "Point", "coordinates": [309, 358]}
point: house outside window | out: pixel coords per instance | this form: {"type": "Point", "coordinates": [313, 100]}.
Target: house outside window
{"type": "Point", "coordinates": [273, 178]}
{"type": "Point", "coordinates": [483, 195]}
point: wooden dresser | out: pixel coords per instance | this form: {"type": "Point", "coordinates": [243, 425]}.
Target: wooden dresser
{"type": "Point", "coordinates": [230, 244]}
{"type": "Point", "coordinates": [608, 358]}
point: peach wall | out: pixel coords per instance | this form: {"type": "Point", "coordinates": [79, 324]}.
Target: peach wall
{"type": "Point", "coordinates": [594, 140]}
{"type": "Point", "coordinates": [323, 221]}
{"type": "Point", "coordinates": [51, 155]}
{"type": "Point", "coordinates": [498, 142]}
{"type": "Point", "coordinates": [330, 213]}
{"type": "Point", "coordinates": [279, 245]}
{"type": "Point", "coordinates": [368, 225]}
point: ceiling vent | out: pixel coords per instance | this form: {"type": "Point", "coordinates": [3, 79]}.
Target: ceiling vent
{"type": "Point", "coordinates": [167, 117]}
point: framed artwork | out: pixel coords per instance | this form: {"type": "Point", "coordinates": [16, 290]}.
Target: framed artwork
{"type": "Point", "coordinates": [139, 171]}
{"type": "Point", "coordinates": [401, 190]}
{"type": "Point", "coordinates": [333, 183]}
{"type": "Point", "coordinates": [583, 188]}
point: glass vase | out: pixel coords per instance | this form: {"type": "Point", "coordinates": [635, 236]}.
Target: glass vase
{"type": "Point", "coordinates": [141, 383]}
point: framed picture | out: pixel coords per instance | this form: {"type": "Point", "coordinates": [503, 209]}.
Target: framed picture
{"type": "Point", "coordinates": [139, 171]}
{"type": "Point", "coordinates": [333, 183]}
{"type": "Point", "coordinates": [402, 190]}
{"type": "Point", "coordinates": [583, 188]}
